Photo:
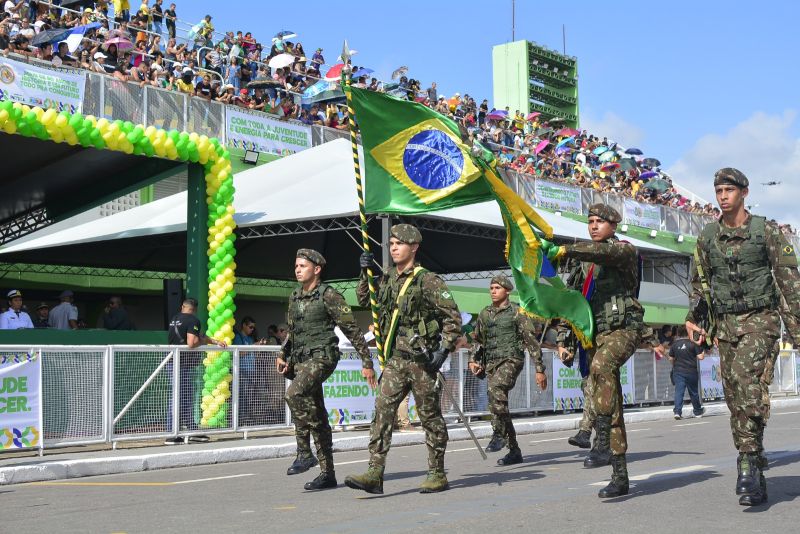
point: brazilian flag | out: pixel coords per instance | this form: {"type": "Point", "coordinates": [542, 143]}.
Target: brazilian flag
{"type": "Point", "coordinates": [414, 159]}
{"type": "Point", "coordinates": [416, 162]}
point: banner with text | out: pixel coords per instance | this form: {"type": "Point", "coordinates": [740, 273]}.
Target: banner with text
{"type": "Point", "coordinates": [20, 401]}
{"type": "Point", "coordinates": [348, 398]}
{"type": "Point", "coordinates": [256, 131]}
{"type": "Point", "coordinates": [555, 196]}
{"type": "Point", "coordinates": [711, 377]}
{"type": "Point", "coordinates": [644, 215]}
{"type": "Point", "coordinates": [567, 392]}
{"type": "Point", "coordinates": [45, 88]}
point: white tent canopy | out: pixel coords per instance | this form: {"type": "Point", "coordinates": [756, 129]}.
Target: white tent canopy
{"type": "Point", "coordinates": [310, 185]}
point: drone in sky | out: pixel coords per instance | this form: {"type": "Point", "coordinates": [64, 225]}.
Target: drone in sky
{"type": "Point", "coordinates": [773, 182]}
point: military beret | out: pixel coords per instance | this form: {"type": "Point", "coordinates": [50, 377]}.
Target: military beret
{"type": "Point", "coordinates": [407, 233]}
{"type": "Point", "coordinates": [502, 281]}
{"type": "Point", "coordinates": [605, 212]}
{"type": "Point", "coordinates": [729, 175]}
{"type": "Point", "coordinates": [311, 255]}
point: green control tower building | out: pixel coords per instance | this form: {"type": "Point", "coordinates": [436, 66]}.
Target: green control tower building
{"type": "Point", "coordinates": [530, 77]}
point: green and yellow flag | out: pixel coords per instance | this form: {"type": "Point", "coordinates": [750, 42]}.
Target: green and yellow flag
{"type": "Point", "coordinates": [414, 159]}
{"type": "Point", "coordinates": [416, 162]}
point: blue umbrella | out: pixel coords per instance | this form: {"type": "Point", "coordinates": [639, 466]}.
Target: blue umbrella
{"type": "Point", "coordinates": [599, 150]}
{"type": "Point", "coordinates": [565, 141]}
{"type": "Point", "coordinates": [647, 175]}
{"type": "Point", "coordinates": [285, 34]}
{"type": "Point", "coordinates": [607, 156]}
{"type": "Point", "coordinates": [363, 71]}
{"type": "Point", "coordinates": [634, 151]}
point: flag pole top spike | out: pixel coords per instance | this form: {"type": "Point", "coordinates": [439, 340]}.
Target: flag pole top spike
{"type": "Point", "coordinates": [346, 54]}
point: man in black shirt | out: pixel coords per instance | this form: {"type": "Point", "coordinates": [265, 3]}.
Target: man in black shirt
{"type": "Point", "coordinates": [171, 17]}
{"type": "Point", "coordinates": [185, 329]}
{"type": "Point", "coordinates": [684, 355]}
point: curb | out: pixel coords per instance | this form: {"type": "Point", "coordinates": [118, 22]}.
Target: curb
{"type": "Point", "coordinates": [66, 469]}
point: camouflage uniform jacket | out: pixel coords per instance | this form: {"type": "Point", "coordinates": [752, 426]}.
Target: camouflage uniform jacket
{"type": "Point", "coordinates": [783, 262]}
{"type": "Point", "coordinates": [430, 313]}
{"type": "Point", "coordinates": [338, 312]}
{"type": "Point", "coordinates": [624, 258]}
{"type": "Point", "coordinates": [526, 338]}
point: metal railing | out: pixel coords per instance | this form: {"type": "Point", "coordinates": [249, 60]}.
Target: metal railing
{"type": "Point", "coordinates": [110, 394]}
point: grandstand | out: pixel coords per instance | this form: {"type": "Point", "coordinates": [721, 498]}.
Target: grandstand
{"type": "Point", "coordinates": [561, 180]}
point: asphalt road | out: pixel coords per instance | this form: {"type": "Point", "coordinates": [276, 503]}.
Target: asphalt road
{"type": "Point", "coordinates": [683, 475]}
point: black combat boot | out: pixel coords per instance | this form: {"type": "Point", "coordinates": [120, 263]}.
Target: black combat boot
{"type": "Point", "coordinates": [497, 443]}
{"type": "Point", "coordinates": [582, 439]}
{"type": "Point", "coordinates": [751, 484]}
{"type": "Point", "coordinates": [600, 454]}
{"type": "Point", "coordinates": [325, 480]}
{"type": "Point", "coordinates": [619, 478]}
{"type": "Point", "coordinates": [514, 456]}
{"type": "Point", "coordinates": [302, 464]}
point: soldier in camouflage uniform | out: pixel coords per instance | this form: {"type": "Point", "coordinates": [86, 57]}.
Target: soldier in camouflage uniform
{"type": "Point", "coordinates": [747, 265]}
{"type": "Point", "coordinates": [418, 317]}
{"type": "Point", "coordinates": [619, 325]}
{"type": "Point", "coordinates": [582, 439]}
{"type": "Point", "coordinates": [502, 334]}
{"type": "Point", "coordinates": [309, 356]}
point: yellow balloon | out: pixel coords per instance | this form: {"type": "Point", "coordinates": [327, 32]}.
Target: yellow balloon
{"type": "Point", "coordinates": [38, 112]}
{"type": "Point", "coordinates": [228, 287]}
{"type": "Point", "coordinates": [10, 127]}
{"type": "Point", "coordinates": [102, 123]}
{"type": "Point", "coordinates": [220, 237]}
{"type": "Point", "coordinates": [213, 286]}
{"type": "Point", "coordinates": [47, 118]}
{"type": "Point", "coordinates": [61, 121]}
{"type": "Point", "coordinates": [149, 131]}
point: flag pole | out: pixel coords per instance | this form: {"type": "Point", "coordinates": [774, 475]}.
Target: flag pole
{"type": "Point", "coordinates": [373, 301]}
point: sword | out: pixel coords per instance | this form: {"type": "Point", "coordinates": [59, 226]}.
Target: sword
{"type": "Point", "coordinates": [441, 383]}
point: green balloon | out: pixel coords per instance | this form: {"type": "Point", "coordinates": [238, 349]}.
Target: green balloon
{"type": "Point", "coordinates": [31, 117]}
{"type": "Point", "coordinates": [127, 127]}
{"type": "Point", "coordinates": [6, 105]}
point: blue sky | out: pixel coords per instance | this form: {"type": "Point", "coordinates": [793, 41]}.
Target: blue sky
{"type": "Point", "coordinates": [699, 85]}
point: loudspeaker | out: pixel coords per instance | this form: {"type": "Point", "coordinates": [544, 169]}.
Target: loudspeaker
{"type": "Point", "coordinates": [173, 297]}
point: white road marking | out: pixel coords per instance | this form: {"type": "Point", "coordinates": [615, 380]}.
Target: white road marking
{"type": "Point", "coordinates": [694, 424]}
{"type": "Point", "coordinates": [214, 478]}
{"type": "Point", "coordinates": [546, 440]}
{"type": "Point", "coordinates": [637, 430]}
{"type": "Point", "coordinates": [677, 470]}
{"type": "Point", "coordinates": [352, 462]}
{"type": "Point", "coordinates": [784, 413]}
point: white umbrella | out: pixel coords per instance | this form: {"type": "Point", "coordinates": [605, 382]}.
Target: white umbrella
{"type": "Point", "coordinates": [281, 60]}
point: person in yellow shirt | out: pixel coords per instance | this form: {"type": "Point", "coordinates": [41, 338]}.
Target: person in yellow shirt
{"type": "Point", "coordinates": [122, 10]}
{"type": "Point", "coordinates": [186, 82]}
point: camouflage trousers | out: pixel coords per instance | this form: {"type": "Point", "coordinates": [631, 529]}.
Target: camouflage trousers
{"type": "Point", "coordinates": [305, 400]}
{"type": "Point", "coordinates": [612, 350]}
{"type": "Point", "coordinates": [746, 386]}
{"type": "Point", "coordinates": [399, 377]}
{"type": "Point", "coordinates": [502, 375]}
{"type": "Point", "coordinates": [589, 414]}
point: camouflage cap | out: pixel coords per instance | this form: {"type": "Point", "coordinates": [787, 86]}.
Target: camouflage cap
{"type": "Point", "coordinates": [311, 255]}
{"type": "Point", "coordinates": [729, 175]}
{"type": "Point", "coordinates": [502, 281]}
{"type": "Point", "coordinates": [605, 212]}
{"type": "Point", "coordinates": [407, 233]}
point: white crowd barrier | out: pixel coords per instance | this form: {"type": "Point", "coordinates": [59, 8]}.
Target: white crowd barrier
{"type": "Point", "coordinates": [109, 394]}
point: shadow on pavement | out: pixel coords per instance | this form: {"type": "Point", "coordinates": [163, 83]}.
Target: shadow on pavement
{"type": "Point", "coordinates": [780, 489]}
{"type": "Point", "coordinates": [468, 480]}
{"type": "Point", "coordinates": [661, 483]}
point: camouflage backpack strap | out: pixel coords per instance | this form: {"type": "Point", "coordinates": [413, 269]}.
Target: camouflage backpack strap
{"type": "Point", "coordinates": [396, 313]}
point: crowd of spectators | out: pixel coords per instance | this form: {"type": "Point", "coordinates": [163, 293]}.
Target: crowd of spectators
{"type": "Point", "coordinates": [233, 68]}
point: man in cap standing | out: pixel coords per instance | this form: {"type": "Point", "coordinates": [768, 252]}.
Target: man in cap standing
{"type": "Point", "coordinates": [65, 315]}
{"type": "Point", "coordinates": [619, 325]}
{"type": "Point", "coordinates": [502, 334]}
{"type": "Point", "coordinates": [419, 322]}
{"type": "Point", "coordinates": [309, 355]}
{"type": "Point", "coordinates": [743, 265]}
{"type": "Point", "coordinates": [41, 320]}
{"type": "Point", "coordinates": [15, 318]}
